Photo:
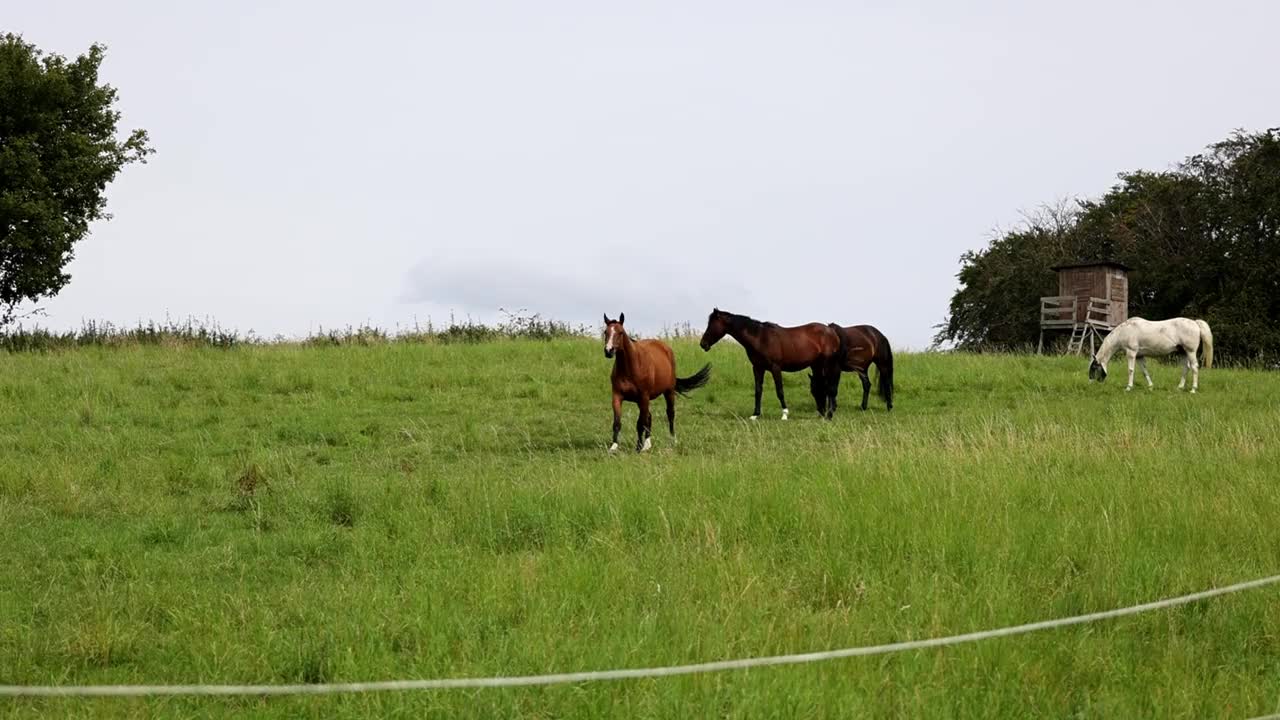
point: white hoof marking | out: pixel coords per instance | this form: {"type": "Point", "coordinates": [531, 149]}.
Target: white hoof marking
{"type": "Point", "coordinates": [755, 417]}
{"type": "Point", "coordinates": [613, 447]}
{"type": "Point", "coordinates": [784, 414]}
{"type": "Point", "coordinates": [648, 443]}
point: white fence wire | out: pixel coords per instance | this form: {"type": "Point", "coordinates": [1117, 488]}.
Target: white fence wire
{"type": "Point", "coordinates": [616, 674]}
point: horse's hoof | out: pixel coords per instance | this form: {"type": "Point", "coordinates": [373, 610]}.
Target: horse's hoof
{"type": "Point", "coordinates": [755, 417]}
{"type": "Point", "coordinates": [784, 414]}
{"type": "Point", "coordinates": [613, 447]}
{"type": "Point", "coordinates": [1128, 388]}
{"type": "Point", "coordinates": [1193, 391]}
{"type": "Point", "coordinates": [648, 443]}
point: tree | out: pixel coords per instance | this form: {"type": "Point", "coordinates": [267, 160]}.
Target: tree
{"type": "Point", "coordinates": [991, 309]}
{"type": "Point", "coordinates": [1203, 241]}
{"type": "Point", "coordinates": [58, 152]}
{"type": "Point", "coordinates": [1242, 179]}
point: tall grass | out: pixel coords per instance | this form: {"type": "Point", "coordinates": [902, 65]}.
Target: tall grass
{"type": "Point", "coordinates": [192, 332]}
{"type": "Point", "coordinates": [350, 511]}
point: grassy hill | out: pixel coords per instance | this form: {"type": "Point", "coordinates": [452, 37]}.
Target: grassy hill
{"type": "Point", "coordinates": [303, 514]}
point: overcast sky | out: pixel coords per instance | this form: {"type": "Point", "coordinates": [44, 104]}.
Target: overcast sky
{"type": "Point", "coordinates": [324, 164]}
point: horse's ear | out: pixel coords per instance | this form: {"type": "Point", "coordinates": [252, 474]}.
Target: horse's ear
{"type": "Point", "coordinates": [606, 318]}
{"type": "Point", "coordinates": [622, 318]}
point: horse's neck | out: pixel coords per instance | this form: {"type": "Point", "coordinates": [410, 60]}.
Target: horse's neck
{"type": "Point", "coordinates": [1108, 348]}
{"type": "Point", "coordinates": [627, 358]}
{"type": "Point", "coordinates": [747, 338]}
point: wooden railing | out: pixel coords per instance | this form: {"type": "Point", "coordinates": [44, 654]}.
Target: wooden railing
{"type": "Point", "coordinates": [1058, 311]}
{"type": "Point", "coordinates": [1063, 311]}
{"type": "Point", "coordinates": [1099, 312]}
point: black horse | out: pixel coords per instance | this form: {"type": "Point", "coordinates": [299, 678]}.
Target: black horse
{"type": "Point", "coordinates": [861, 346]}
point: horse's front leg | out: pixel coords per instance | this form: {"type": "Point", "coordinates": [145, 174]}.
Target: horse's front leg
{"type": "Point", "coordinates": [1133, 357]}
{"type": "Point", "coordinates": [777, 384]}
{"type": "Point", "coordinates": [617, 419]}
{"type": "Point", "coordinates": [759, 371]}
{"type": "Point", "coordinates": [644, 425]}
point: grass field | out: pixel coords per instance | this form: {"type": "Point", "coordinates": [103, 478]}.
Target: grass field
{"type": "Point", "coordinates": [286, 514]}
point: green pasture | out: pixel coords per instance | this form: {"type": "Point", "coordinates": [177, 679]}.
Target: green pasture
{"type": "Point", "coordinates": [283, 514]}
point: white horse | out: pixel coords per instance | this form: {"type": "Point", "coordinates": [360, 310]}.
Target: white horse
{"type": "Point", "coordinates": [1139, 338]}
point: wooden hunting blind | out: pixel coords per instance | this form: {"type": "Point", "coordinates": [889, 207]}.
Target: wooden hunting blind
{"type": "Point", "coordinates": [1092, 299]}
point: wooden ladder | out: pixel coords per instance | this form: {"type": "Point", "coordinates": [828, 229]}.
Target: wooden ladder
{"type": "Point", "coordinates": [1076, 344]}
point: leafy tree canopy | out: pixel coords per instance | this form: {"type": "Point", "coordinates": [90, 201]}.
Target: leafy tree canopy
{"type": "Point", "coordinates": [1203, 240]}
{"type": "Point", "coordinates": [59, 149]}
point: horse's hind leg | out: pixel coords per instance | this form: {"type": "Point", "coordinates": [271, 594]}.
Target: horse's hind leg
{"type": "Point", "coordinates": [777, 384]}
{"type": "Point", "coordinates": [1143, 362]}
{"type": "Point", "coordinates": [644, 425]}
{"type": "Point", "coordinates": [1185, 366]}
{"type": "Point", "coordinates": [833, 389]}
{"type": "Point", "coordinates": [1195, 371]}
{"type": "Point", "coordinates": [670, 396]}
{"type": "Point", "coordinates": [866, 387]}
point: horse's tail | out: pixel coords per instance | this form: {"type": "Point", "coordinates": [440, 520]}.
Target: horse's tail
{"type": "Point", "coordinates": [884, 367]}
{"type": "Point", "coordinates": [1206, 341]}
{"type": "Point", "coordinates": [694, 381]}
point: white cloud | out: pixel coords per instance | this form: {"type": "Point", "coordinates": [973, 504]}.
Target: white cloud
{"type": "Point", "coordinates": [651, 294]}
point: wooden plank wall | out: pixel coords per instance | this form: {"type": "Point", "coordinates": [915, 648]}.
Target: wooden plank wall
{"type": "Point", "coordinates": [1102, 282]}
{"type": "Point", "coordinates": [1119, 296]}
{"type": "Point", "coordinates": [1079, 283]}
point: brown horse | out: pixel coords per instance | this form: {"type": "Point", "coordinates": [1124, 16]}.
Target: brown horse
{"type": "Point", "coordinates": [774, 348]}
{"type": "Point", "coordinates": [643, 370]}
{"type": "Point", "coordinates": [860, 347]}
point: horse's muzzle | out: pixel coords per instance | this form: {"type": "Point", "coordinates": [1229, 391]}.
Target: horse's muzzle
{"type": "Point", "coordinates": [608, 353]}
{"type": "Point", "coordinates": [704, 346]}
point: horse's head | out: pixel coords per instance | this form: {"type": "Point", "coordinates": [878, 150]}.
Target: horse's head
{"type": "Point", "coordinates": [717, 326]}
{"type": "Point", "coordinates": [819, 392]}
{"type": "Point", "coordinates": [613, 333]}
{"type": "Point", "coordinates": [1097, 371]}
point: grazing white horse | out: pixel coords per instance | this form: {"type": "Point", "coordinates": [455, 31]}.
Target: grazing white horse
{"type": "Point", "coordinates": [1139, 338]}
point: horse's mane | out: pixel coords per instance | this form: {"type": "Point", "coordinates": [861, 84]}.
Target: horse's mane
{"type": "Point", "coordinates": [744, 322]}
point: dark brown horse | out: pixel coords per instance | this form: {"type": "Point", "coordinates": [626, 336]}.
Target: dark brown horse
{"type": "Point", "coordinates": [643, 370]}
{"type": "Point", "coordinates": [860, 347]}
{"type": "Point", "coordinates": [773, 348]}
